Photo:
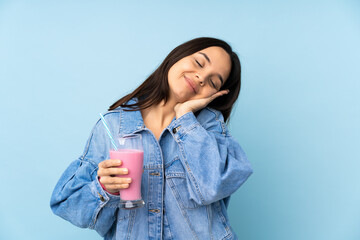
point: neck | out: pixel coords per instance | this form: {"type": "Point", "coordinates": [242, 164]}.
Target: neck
{"type": "Point", "coordinates": [161, 114]}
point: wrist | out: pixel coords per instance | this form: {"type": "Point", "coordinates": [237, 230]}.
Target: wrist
{"type": "Point", "coordinates": [181, 112]}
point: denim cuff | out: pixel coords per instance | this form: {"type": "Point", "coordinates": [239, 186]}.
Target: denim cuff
{"type": "Point", "coordinates": [184, 124]}
{"type": "Point", "coordinates": [106, 199]}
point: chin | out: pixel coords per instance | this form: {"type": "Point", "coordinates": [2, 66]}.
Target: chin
{"type": "Point", "coordinates": [195, 97]}
{"type": "Point", "coordinates": [181, 98]}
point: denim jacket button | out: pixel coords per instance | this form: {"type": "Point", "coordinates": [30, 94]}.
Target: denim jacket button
{"type": "Point", "coordinates": [101, 197]}
{"type": "Point", "coordinates": [176, 129]}
{"type": "Point", "coordinates": [155, 174]}
{"type": "Point", "coordinates": [154, 210]}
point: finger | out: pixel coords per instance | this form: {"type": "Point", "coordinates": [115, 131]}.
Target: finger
{"type": "Point", "coordinates": [116, 187]}
{"type": "Point", "coordinates": [226, 91]}
{"type": "Point", "coordinates": [209, 99]}
{"type": "Point", "coordinates": [112, 171]}
{"type": "Point", "coordinates": [216, 95]}
{"type": "Point", "coordinates": [220, 93]}
{"type": "Point", "coordinates": [110, 163]}
{"type": "Point", "coordinates": [114, 180]}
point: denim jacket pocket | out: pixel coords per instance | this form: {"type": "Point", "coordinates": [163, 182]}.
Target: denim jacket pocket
{"type": "Point", "coordinates": [125, 223]}
{"type": "Point", "coordinates": [176, 178]}
{"type": "Point", "coordinates": [123, 214]}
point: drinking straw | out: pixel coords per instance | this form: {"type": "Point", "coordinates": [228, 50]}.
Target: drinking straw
{"type": "Point", "coordinates": [108, 131]}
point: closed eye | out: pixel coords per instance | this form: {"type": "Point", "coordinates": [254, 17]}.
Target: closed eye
{"type": "Point", "coordinates": [198, 63]}
{"type": "Point", "coordinates": [212, 83]}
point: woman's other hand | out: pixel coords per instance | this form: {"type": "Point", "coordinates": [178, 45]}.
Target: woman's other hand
{"type": "Point", "coordinates": [108, 173]}
{"type": "Point", "coordinates": [196, 104]}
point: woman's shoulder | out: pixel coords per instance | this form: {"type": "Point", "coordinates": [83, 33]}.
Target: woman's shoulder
{"type": "Point", "coordinates": [212, 113]}
{"type": "Point", "coordinates": [112, 113]}
{"type": "Point", "coordinates": [120, 108]}
{"type": "Point", "coordinates": [211, 118]}
{"type": "Point", "coordinates": [112, 117]}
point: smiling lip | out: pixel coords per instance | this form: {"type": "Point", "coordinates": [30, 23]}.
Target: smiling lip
{"type": "Point", "coordinates": [191, 84]}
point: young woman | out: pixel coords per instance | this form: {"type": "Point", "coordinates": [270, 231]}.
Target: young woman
{"type": "Point", "coordinates": [191, 162]}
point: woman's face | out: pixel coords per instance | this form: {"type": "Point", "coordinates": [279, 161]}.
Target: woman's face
{"type": "Point", "coordinates": [199, 75]}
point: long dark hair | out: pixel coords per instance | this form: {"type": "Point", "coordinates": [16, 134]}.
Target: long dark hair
{"type": "Point", "coordinates": [156, 88]}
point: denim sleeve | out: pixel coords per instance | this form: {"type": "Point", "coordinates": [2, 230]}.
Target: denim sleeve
{"type": "Point", "coordinates": [78, 196]}
{"type": "Point", "coordinates": [215, 164]}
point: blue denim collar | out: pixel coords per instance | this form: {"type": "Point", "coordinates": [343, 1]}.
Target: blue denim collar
{"type": "Point", "coordinates": [131, 121]}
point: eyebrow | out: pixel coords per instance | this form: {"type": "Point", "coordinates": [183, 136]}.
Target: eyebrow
{"type": "Point", "coordinates": [208, 59]}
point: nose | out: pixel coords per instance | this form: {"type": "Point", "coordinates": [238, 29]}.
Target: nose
{"type": "Point", "coordinates": [201, 81]}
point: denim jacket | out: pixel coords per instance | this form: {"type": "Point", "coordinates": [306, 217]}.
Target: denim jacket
{"type": "Point", "coordinates": [189, 175]}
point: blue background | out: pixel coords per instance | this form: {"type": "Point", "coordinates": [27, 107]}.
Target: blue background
{"type": "Point", "coordinates": [63, 62]}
